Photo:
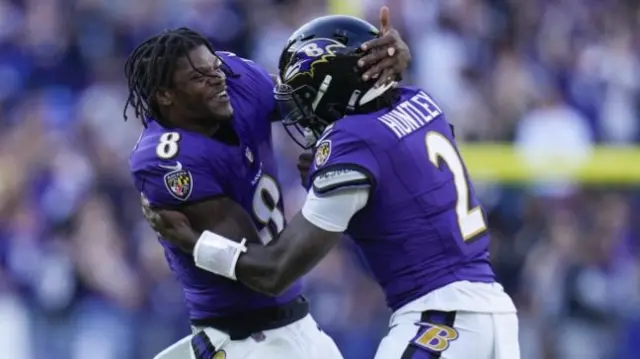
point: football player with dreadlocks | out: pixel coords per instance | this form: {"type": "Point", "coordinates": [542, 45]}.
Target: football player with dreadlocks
{"type": "Point", "coordinates": [206, 152]}
{"type": "Point", "coordinates": [386, 171]}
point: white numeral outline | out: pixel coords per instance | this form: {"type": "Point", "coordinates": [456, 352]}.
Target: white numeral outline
{"type": "Point", "coordinates": [167, 147]}
{"type": "Point", "coordinates": [266, 212]}
{"type": "Point", "coordinates": [470, 220]}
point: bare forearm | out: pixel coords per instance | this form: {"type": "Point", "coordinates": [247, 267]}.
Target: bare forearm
{"type": "Point", "coordinates": [258, 268]}
{"type": "Point", "coordinates": [273, 268]}
{"type": "Point", "coordinates": [188, 240]}
{"type": "Point", "coordinates": [234, 224]}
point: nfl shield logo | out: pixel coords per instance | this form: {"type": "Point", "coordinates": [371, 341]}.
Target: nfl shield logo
{"type": "Point", "coordinates": [179, 183]}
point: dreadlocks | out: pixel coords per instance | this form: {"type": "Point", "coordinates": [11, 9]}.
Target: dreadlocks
{"type": "Point", "coordinates": [150, 67]}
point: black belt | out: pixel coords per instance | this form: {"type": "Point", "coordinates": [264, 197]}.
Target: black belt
{"type": "Point", "coordinates": [241, 325]}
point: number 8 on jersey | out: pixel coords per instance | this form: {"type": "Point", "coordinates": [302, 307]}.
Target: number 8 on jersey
{"type": "Point", "coordinates": [265, 208]}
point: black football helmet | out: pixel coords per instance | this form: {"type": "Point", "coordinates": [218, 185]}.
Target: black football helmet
{"type": "Point", "coordinates": [319, 81]}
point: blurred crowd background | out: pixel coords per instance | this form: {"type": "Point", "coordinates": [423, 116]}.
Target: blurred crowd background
{"type": "Point", "coordinates": [81, 275]}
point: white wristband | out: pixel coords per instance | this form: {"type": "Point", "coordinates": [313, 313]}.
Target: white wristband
{"type": "Point", "coordinates": [217, 254]}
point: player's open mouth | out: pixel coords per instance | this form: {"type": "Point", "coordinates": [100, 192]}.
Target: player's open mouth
{"type": "Point", "coordinates": [221, 95]}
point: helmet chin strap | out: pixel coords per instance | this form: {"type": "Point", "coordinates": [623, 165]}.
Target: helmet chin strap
{"type": "Point", "coordinates": [309, 136]}
{"type": "Point", "coordinates": [313, 134]}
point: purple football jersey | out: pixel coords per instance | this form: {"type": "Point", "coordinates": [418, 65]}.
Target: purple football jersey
{"type": "Point", "coordinates": [422, 227]}
{"type": "Point", "coordinates": [174, 167]}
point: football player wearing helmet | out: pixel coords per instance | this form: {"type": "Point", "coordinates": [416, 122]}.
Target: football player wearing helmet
{"type": "Point", "coordinates": [205, 152]}
{"type": "Point", "coordinates": [387, 172]}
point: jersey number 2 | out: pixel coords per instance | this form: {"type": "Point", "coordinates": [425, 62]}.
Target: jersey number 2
{"type": "Point", "coordinates": [470, 220]}
{"type": "Point", "coordinates": [265, 208]}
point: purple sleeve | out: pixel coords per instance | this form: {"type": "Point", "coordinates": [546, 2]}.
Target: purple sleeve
{"type": "Point", "coordinates": [184, 180]}
{"type": "Point", "coordinates": [254, 79]}
{"type": "Point", "coordinates": [342, 160]}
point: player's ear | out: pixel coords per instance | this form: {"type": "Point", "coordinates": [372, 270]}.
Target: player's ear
{"type": "Point", "coordinates": [163, 97]}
